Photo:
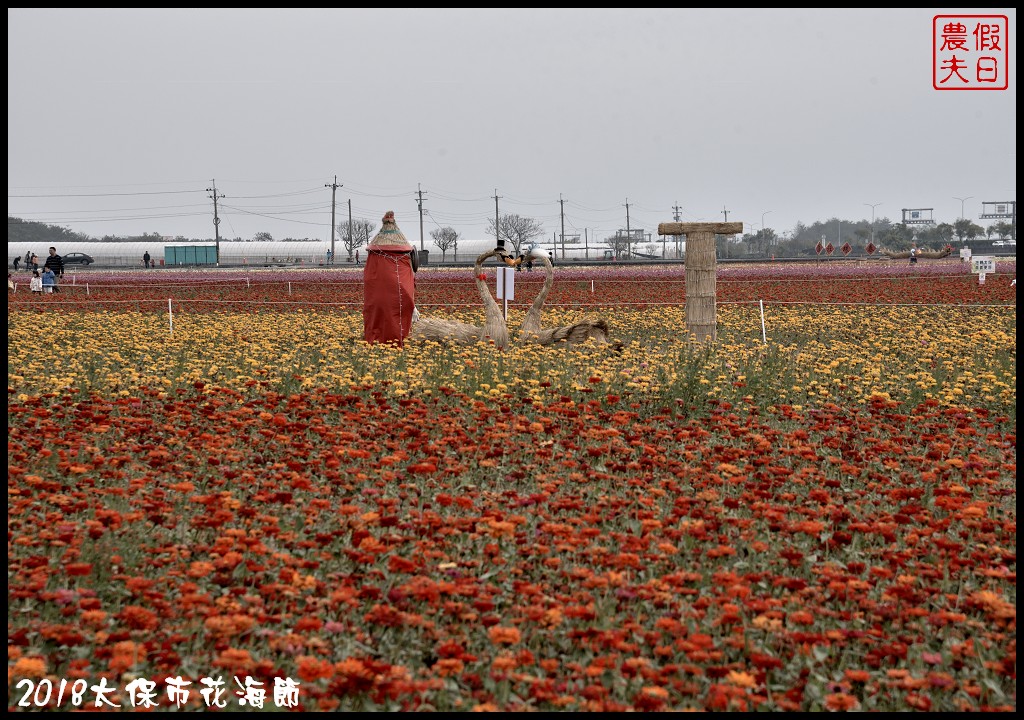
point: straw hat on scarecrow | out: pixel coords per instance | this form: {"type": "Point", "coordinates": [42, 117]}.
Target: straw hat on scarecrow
{"type": "Point", "coordinates": [389, 233]}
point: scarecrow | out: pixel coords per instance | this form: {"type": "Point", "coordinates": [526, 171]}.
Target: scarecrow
{"type": "Point", "coordinates": [389, 285]}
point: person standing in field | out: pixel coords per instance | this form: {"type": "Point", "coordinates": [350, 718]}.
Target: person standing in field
{"type": "Point", "coordinates": [54, 263]}
{"type": "Point", "coordinates": [36, 283]}
{"type": "Point", "coordinates": [145, 259]}
{"type": "Point", "coordinates": [389, 285]}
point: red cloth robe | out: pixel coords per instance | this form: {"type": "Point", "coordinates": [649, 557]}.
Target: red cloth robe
{"type": "Point", "coordinates": [389, 293]}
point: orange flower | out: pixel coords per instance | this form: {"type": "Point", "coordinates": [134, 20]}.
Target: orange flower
{"type": "Point", "coordinates": [352, 667]}
{"type": "Point", "coordinates": [225, 626]}
{"type": "Point", "coordinates": [651, 698]}
{"type": "Point", "coordinates": [200, 568]}
{"type": "Point", "coordinates": [449, 667]}
{"type": "Point", "coordinates": [801, 617]}
{"type": "Point", "coordinates": [29, 667]}
{"type": "Point", "coordinates": [125, 655]}
{"type": "Point", "coordinates": [139, 618]}
{"type": "Point", "coordinates": [504, 635]}
{"type": "Point", "coordinates": [229, 561]}
{"type": "Point", "coordinates": [234, 659]}
{"type": "Point", "coordinates": [504, 663]}
{"type": "Point", "coordinates": [841, 702]}
{"type": "Point", "coordinates": [310, 669]}
{"type": "Point", "coordinates": [741, 679]}
{"type": "Point", "coordinates": [857, 676]}
{"type": "Point", "coordinates": [138, 585]}
{"type": "Point", "coordinates": [352, 675]}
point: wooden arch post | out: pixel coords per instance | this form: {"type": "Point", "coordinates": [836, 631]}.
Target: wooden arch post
{"type": "Point", "coordinates": [701, 320]}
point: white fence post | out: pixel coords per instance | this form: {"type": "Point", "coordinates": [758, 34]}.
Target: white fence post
{"type": "Point", "coordinates": [764, 337]}
{"type": "Point", "coordinates": [170, 316]}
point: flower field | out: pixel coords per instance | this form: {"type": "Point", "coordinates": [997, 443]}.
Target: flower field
{"type": "Point", "coordinates": [816, 513]}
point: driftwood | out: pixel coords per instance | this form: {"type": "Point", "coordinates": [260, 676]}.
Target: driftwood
{"type": "Point", "coordinates": [924, 254]}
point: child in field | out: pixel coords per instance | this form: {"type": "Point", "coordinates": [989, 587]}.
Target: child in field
{"type": "Point", "coordinates": [49, 280]}
{"type": "Point", "coordinates": [36, 283]}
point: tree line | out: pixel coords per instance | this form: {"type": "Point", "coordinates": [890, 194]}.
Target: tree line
{"type": "Point", "coordinates": [517, 233]}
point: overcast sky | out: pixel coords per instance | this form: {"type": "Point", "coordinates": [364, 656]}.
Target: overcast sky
{"type": "Point", "coordinates": [120, 120]}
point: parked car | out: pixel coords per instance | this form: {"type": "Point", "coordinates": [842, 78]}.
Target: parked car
{"type": "Point", "coordinates": [77, 258]}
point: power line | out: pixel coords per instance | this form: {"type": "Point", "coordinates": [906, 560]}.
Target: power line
{"type": "Point", "coordinates": [69, 195]}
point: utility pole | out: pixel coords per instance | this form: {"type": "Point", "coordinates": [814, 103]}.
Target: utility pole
{"type": "Point", "coordinates": [334, 188]}
{"type": "Point", "coordinates": [350, 228]}
{"type": "Point", "coordinates": [675, 216]}
{"type": "Point", "coordinates": [216, 218]}
{"type": "Point", "coordinates": [629, 234]}
{"type": "Point", "coordinates": [420, 203]}
{"type": "Point", "coordinates": [726, 213]}
{"type": "Point", "coordinates": [562, 203]}
{"type": "Point", "coordinates": [499, 242]}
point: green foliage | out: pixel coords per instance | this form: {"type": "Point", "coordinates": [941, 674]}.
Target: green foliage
{"type": "Point", "coordinates": [1000, 230]}
{"type": "Point", "coordinates": [935, 236]}
{"type": "Point", "coordinates": [46, 235]}
{"type": "Point", "coordinates": [898, 237]}
{"type": "Point", "coordinates": [967, 230]}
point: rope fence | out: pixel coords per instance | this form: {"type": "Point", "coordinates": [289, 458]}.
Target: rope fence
{"type": "Point", "coordinates": [595, 283]}
{"type": "Point", "coordinates": [575, 306]}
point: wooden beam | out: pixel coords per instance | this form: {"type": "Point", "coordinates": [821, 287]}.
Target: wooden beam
{"type": "Point", "coordinates": [722, 228]}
